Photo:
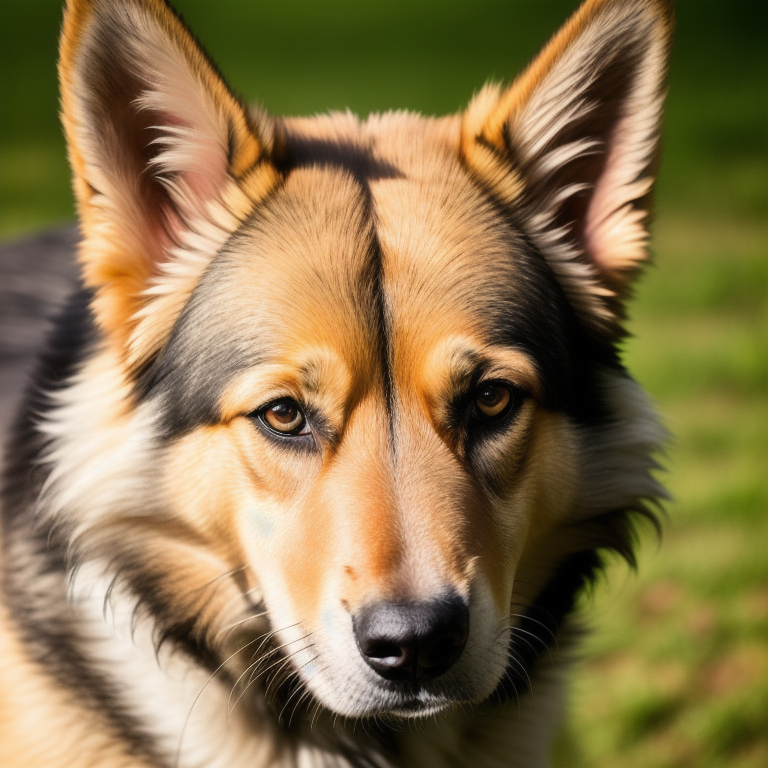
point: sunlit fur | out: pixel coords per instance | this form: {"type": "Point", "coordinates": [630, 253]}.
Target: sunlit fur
{"type": "Point", "coordinates": [181, 582]}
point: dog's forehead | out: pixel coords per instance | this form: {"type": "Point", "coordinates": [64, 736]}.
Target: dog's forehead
{"type": "Point", "coordinates": [445, 258]}
{"type": "Point", "coordinates": [309, 255]}
{"type": "Point", "coordinates": [449, 260]}
{"type": "Point", "coordinates": [377, 229]}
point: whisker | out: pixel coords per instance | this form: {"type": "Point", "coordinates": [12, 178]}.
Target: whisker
{"type": "Point", "coordinates": [514, 657]}
{"type": "Point", "coordinates": [282, 665]}
{"type": "Point", "coordinates": [515, 635]}
{"type": "Point", "coordinates": [306, 693]}
{"type": "Point", "coordinates": [200, 693]}
{"type": "Point", "coordinates": [517, 694]}
{"type": "Point", "coordinates": [265, 638]}
{"type": "Point", "coordinates": [263, 658]}
{"type": "Point", "coordinates": [250, 606]}
{"type": "Point", "coordinates": [536, 607]}
{"type": "Point", "coordinates": [299, 687]}
{"type": "Point", "coordinates": [513, 629]}
{"type": "Point", "coordinates": [229, 627]}
{"type": "Point", "coordinates": [219, 578]}
{"type": "Point", "coordinates": [316, 715]}
{"type": "Point", "coordinates": [253, 679]}
{"type": "Point", "coordinates": [535, 621]}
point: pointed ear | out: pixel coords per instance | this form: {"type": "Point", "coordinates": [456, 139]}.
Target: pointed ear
{"type": "Point", "coordinates": [573, 145]}
{"type": "Point", "coordinates": [166, 161]}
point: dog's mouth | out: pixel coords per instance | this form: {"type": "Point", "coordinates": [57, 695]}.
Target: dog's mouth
{"type": "Point", "coordinates": [264, 673]}
{"type": "Point", "coordinates": [298, 676]}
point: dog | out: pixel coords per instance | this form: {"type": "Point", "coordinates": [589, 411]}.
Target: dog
{"type": "Point", "coordinates": [335, 429]}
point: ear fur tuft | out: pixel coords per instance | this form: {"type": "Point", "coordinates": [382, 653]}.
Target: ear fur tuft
{"type": "Point", "coordinates": [573, 143]}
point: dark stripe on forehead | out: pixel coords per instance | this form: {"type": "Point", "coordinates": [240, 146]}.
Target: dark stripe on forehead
{"type": "Point", "coordinates": [384, 334]}
{"type": "Point", "coordinates": [348, 153]}
{"type": "Point", "coordinates": [357, 158]}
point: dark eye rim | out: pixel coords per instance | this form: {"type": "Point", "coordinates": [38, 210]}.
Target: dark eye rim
{"type": "Point", "coordinates": [517, 397]}
{"type": "Point", "coordinates": [299, 432]}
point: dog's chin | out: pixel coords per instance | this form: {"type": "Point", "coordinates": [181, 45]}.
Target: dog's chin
{"type": "Point", "coordinates": [388, 702]}
{"type": "Point", "coordinates": [415, 707]}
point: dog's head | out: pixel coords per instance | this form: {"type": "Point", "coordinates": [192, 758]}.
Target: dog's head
{"type": "Point", "coordinates": [355, 386]}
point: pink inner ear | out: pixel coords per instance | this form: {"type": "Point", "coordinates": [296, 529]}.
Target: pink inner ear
{"type": "Point", "coordinates": [192, 166]}
{"type": "Point", "coordinates": [613, 235]}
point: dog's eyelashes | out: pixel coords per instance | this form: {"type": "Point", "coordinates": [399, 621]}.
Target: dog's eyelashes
{"type": "Point", "coordinates": [284, 417]}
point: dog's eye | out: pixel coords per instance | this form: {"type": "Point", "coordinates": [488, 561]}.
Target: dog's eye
{"type": "Point", "coordinates": [284, 417]}
{"type": "Point", "coordinates": [493, 400]}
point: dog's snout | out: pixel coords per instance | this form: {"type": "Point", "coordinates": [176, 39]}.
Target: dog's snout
{"type": "Point", "coordinates": [411, 641]}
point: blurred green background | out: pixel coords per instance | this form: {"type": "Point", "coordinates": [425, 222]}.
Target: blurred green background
{"type": "Point", "coordinates": [675, 672]}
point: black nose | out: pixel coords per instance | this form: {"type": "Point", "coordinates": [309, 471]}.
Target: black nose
{"type": "Point", "coordinates": [412, 640]}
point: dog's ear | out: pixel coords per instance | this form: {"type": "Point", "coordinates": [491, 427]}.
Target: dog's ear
{"type": "Point", "coordinates": [572, 145]}
{"type": "Point", "coordinates": [166, 161]}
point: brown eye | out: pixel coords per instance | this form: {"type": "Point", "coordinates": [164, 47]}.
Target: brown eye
{"type": "Point", "coordinates": [492, 400]}
{"type": "Point", "coordinates": [285, 417]}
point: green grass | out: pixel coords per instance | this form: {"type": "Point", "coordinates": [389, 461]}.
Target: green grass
{"type": "Point", "coordinates": [675, 672]}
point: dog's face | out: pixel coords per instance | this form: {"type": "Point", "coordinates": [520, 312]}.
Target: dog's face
{"type": "Point", "coordinates": [376, 421]}
{"type": "Point", "coordinates": [358, 376]}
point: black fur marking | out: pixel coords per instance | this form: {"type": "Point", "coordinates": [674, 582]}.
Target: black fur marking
{"type": "Point", "coordinates": [354, 157]}
{"type": "Point", "coordinates": [383, 325]}
{"type": "Point", "coordinates": [68, 343]}
{"type": "Point", "coordinates": [206, 349]}
{"type": "Point", "coordinates": [539, 319]}
{"type": "Point", "coordinates": [541, 623]}
{"type": "Point", "coordinates": [35, 556]}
